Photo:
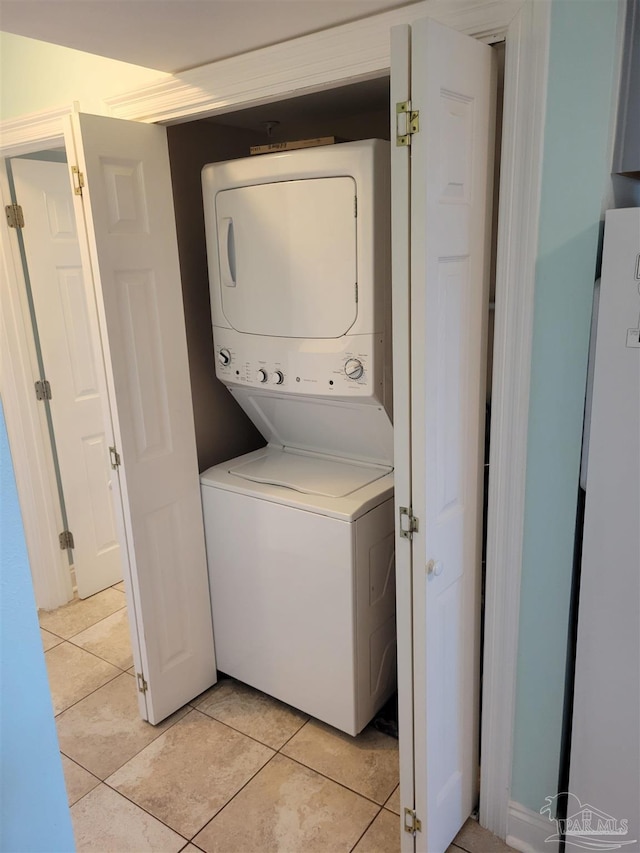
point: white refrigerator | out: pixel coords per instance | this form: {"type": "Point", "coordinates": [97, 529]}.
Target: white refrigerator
{"type": "Point", "coordinates": [604, 811]}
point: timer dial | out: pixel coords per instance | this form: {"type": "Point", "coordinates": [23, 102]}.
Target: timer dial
{"type": "Point", "coordinates": [353, 368]}
{"type": "Point", "coordinates": [261, 375]}
{"type": "Point", "coordinates": [278, 377]}
{"type": "Point", "coordinates": [224, 356]}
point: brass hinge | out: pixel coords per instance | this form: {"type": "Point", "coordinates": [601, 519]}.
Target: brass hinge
{"type": "Point", "coordinates": [142, 683]}
{"type": "Point", "coordinates": [412, 823]}
{"type": "Point", "coordinates": [407, 122]}
{"type": "Point", "coordinates": [115, 458]}
{"type": "Point", "coordinates": [408, 523]}
{"type": "Point", "coordinates": [15, 216]}
{"type": "Point", "coordinates": [43, 390]}
{"type": "Point", "coordinates": [78, 180]}
{"type": "Point", "coordinates": [66, 540]}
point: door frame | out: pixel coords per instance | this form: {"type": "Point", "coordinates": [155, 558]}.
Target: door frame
{"type": "Point", "coordinates": [345, 54]}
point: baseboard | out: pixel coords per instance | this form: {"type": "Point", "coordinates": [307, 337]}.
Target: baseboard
{"type": "Point", "coordinates": [527, 830]}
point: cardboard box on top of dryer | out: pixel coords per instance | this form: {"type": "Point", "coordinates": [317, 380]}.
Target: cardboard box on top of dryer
{"type": "Point", "coordinates": [270, 147]}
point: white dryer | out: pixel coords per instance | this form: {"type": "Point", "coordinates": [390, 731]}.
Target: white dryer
{"type": "Point", "coordinates": [300, 534]}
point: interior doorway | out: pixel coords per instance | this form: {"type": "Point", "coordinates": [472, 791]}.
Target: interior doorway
{"type": "Point", "coordinates": [68, 374]}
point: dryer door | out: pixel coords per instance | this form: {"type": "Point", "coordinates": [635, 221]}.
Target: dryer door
{"type": "Point", "coordinates": [287, 257]}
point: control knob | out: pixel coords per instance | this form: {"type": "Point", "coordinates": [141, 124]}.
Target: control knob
{"type": "Point", "coordinates": [278, 377]}
{"type": "Point", "coordinates": [224, 356]}
{"type": "Point", "coordinates": [261, 375]}
{"type": "Point", "coordinates": [354, 368]}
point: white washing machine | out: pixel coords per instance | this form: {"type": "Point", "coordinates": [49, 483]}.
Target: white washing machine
{"type": "Point", "coordinates": [300, 534]}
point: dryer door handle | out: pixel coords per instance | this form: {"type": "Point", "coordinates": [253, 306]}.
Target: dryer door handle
{"type": "Point", "coordinates": [227, 245]}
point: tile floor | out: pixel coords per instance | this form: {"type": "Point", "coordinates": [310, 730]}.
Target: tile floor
{"type": "Point", "coordinates": [234, 771]}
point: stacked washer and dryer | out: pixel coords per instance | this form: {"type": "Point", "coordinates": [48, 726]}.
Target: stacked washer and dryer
{"type": "Point", "coordinates": [300, 534]}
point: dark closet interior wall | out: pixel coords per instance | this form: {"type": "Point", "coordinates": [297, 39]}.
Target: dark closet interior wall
{"type": "Point", "coordinates": [222, 429]}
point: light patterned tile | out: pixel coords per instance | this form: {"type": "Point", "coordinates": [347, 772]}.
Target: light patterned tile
{"type": "Point", "coordinates": [49, 640]}
{"type": "Point", "coordinates": [74, 674]}
{"type": "Point", "coordinates": [105, 730]}
{"type": "Point", "coordinates": [288, 808]}
{"type": "Point", "coordinates": [393, 803]}
{"type": "Point", "coordinates": [368, 763]}
{"type": "Point", "coordinates": [109, 639]}
{"type": "Point", "coordinates": [251, 712]}
{"type": "Point", "coordinates": [383, 836]}
{"type": "Point", "coordinates": [187, 774]}
{"type": "Point", "coordinates": [106, 822]}
{"type": "Point", "coordinates": [78, 781]}
{"type": "Point", "coordinates": [74, 617]}
{"type": "Point", "coordinates": [474, 839]}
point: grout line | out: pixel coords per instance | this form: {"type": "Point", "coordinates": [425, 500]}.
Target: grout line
{"type": "Point", "coordinates": [298, 761]}
{"type": "Point", "coordinates": [251, 737]}
{"type": "Point", "coordinates": [90, 693]}
{"type": "Point", "coordinates": [335, 781]}
{"type": "Point", "coordinates": [86, 628]}
{"type": "Point", "coordinates": [137, 805]}
{"type": "Point", "coordinates": [237, 731]}
{"type": "Point", "coordinates": [297, 731]}
{"type": "Point", "coordinates": [53, 633]}
{"type": "Point", "coordinates": [231, 799]}
{"type": "Point", "coordinates": [191, 708]}
{"type": "Point", "coordinates": [366, 829]}
{"type": "Point", "coordinates": [86, 769]}
{"type": "Point", "coordinates": [88, 651]}
{"type": "Point", "coordinates": [142, 748]}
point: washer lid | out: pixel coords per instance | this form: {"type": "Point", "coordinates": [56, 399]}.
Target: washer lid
{"type": "Point", "coordinates": [358, 432]}
{"type": "Point", "coordinates": [311, 475]}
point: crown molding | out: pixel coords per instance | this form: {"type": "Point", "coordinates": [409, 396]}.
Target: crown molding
{"type": "Point", "coordinates": [344, 54]}
{"type": "Point", "coordinates": [34, 132]}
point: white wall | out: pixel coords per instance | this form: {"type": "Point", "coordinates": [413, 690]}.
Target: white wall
{"type": "Point", "coordinates": [35, 76]}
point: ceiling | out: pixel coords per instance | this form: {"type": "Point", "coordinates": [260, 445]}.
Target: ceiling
{"type": "Point", "coordinates": [174, 35]}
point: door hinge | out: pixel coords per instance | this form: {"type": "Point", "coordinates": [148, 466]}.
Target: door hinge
{"type": "Point", "coordinates": [66, 540]}
{"type": "Point", "coordinates": [115, 458]}
{"type": "Point", "coordinates": [408, 523]}
{"type": "Point", "coordinates": [355, 205]}
{"type": "Point", "coordinates": [15, 216]}
{"type": "Point", "coordinates": [356, 292]}
{"type": "Point", "coordinates": [78, 180]}
{"type": "Point", "coordinates": [407, 122]}
{"type": "Point", "coordinates": [412, 823]}
{"type": "Point", "coordinates": [43, 390]}
{"type": "Point", "coordinates": [142, 683]}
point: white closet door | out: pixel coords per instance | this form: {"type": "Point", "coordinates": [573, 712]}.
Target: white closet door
{"type": "Point", "coordinates": [452, 84]}
{"type": "Point", "coordinates": [67, 329]}
{"type": "Point", "coordinates": [130, 226]}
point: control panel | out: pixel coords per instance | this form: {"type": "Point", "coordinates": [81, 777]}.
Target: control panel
{"type": "Point", "coordinates": [343, 367]}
